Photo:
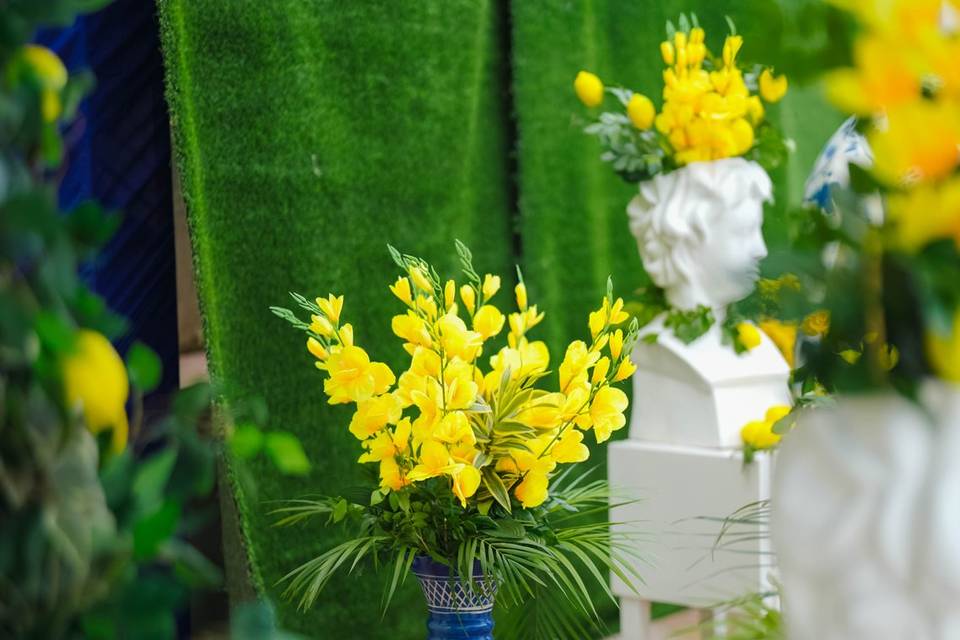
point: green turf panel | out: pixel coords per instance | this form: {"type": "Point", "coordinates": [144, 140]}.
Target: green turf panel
{"type": "Point", "coordinates": [572, 207]}
{"type": "Point", "coordinates": [308, 135]}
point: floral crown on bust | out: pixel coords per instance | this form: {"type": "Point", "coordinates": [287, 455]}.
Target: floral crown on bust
{"type": "Point", "coordinates": [712, 109]}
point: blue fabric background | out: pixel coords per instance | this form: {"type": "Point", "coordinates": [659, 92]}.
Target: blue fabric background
{"type": "Point", "coordinates": [118, 153]}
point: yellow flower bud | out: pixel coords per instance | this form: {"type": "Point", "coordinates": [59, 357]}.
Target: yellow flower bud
{"type": "Point", "coordinates": [772, 89]}
{"type": "Point", "coordinates": [401, 289]}
{"type": "Point", "coordinates": [666, 50]}
{"type": "Point", "coordinates": [321, 326]}
{"type": "Point", "coordinates": [641, 111]}
{"type": "Point", "coordinates": [589, 88]}
{"type": "Point", "coordinates": [697, 35]}
{"type": "Point", "coordinates": [755, 109]}
{"type": "Point", "coordinates": [449, 293]}
{"type": "Point", "coordinates": [748, 335]}
{"type": "Point", "coordinates": [491, 284]}
{"type": "Point", "coordinates": [616, 344]}
{"type": "Point", "coordinates": [488, 321]}
{"type": "Point", "coordinates": [600, 371]}
{"type": "Point", "coordinates": [625, 370]}
{"type": "Point", "coordinates": [314, 347]}
{"type": "Point", "coordinates": [469, 297]}
{"type": "Point", "coordinates": [521, 292]}
{"type": "Point", "coordinates": [420, 280]}
{"type": "Point", "coordinates": [731, 47]}
{"type": "Point", "coordinates": [346, 335]}
{"type": "Point", "coordinates": [331, 306]}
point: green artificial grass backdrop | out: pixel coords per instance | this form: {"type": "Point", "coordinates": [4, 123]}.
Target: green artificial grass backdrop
{"type": "Point", "coordinates": [309, 135]}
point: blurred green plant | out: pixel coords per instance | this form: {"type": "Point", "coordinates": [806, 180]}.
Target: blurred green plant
{"type": "Point", "coordinates": [95, 508]}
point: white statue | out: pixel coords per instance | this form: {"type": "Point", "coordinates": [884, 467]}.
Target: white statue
{"type": "Point", "coordinates": [866, 519]}
{"type": "Point", "coordinates": [699, 233]}
{"type": "Point", "coordinates": [698, 230]}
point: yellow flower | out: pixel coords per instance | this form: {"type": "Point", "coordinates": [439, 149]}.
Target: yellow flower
{"type": "Point", "coordinates": [817, 323]}
{"type": "Point", "coordinates": [925, 213]}
{"type": "Point", "coordinates": [321, 326]}
{"type": "Point", "coordinates": [449, 294]}
{"type": "Point", "coordinates": [346, 335]}
{"type": "Point", "coordinates": [616, 344]}
{"type": "Point", "coordinates": [465, 483]}
{"type": "Point", "coordinates": [52, 76]}
{"type": "Point", "coordinates": [850, 356]}
{"type": "Point", "coordinates": [943, 351]}
{"type": "Point", "coordinates": [374, 414]}
{"type": "Point", "coordinates": [95, 381]}
{"type": "Point", "coordinates": [457, 340]}
{"type": "Point", "coordinates": [532, 492]}
{"type": "Point", "coordinates": [600, 371]}
{"type": "Point", "coordinates": [888, 356]}
{"type": "Point", "coordinates": [391, 476]}
{"type": "Point", "coordinates": [606, 412]}
{"type": "Point", "coordinates": [776, 412]}
{"type": "Point", "coordinates": [919, 143]}
{"type": "Point", "coordinates": [353, 377]}
{"type": "Point", "coordinates": [331, 306]}
{"type": "Point", "coordinates": [491, 284]}
{"type": "Point", "coordinates": [469, 297]}
{"type": "Point", "coordinates": [570, 448]}
{"type": "Point", "coordinates": [759, 434]}
{"type": "Point", "coordinates": [453, 428]}
{"type": "Point", "coordinates": [784, 335]}
{"type": "Point", "coordinates": [488, 321]}
{"type": "Point", "coordinates": [401, 289]}
{"type": "Point", "coordinates": [882, 77]}
{"type": "Point", "coordinates": [411, 328]}
{"type": "Point", "coordinates": [589, 88]}
{"type": "Point", "coordinates": [748, 335]}
{"type": "Point", "coordinates": [667, 52]}
{"type": "Point", "coordinates": [772, 89]}
{"type": "Point", "coordinates": [575, 363]}
{"type": "Point", "coordinates": [625, 370]}
{"type": "Point", "coordinates": [420, 280]}
{"type": "Point", "coordinates": [521, 292]}
{"type": "Point", "coordinates": [314, 347]}
{"type": "Point", "coordinates": [742, 134]}
{"type": "Point", "coordinates": [387, 445]}
{"type": "Point", "coordinates": [434, 460]}
{"type": "Point", "coordinates": [641, 111]}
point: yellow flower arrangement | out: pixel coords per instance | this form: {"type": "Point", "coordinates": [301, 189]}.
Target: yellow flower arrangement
{"type": "Point", "coordinates": [712, 109]}
{"type": "Point", "coordinates": [464, 410]}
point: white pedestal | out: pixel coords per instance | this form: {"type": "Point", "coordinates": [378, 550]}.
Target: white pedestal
{"type": "Point", "coordinates": [686, 492]}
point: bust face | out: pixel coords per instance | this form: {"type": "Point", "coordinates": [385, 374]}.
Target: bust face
{"type": "Point", "coordinates": [698, 231]}
{"type": "Point", "coordinates": [726, 262]}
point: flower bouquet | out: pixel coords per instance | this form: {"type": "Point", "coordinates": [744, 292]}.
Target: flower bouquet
{"type": "Point", "coordinates": [701, 166]}
{"type": "Point", "coordinates": [470, 489]}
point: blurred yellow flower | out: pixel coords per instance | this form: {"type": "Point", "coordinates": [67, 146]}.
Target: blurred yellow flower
{"type": "Point", "coordinates": [95, 383]}
{"type": "Point", "coordinates": [52, 75]}
{"type": "Point", "coordinates": [748, 335]}
{"type": "Point", "coordinates": [532, 492]}
{"type": "Point", "coordinates": [816, 324]}
{"type": "Point", "coordinates": [759, 434]}
{"type": "Point", "coordinates": [589, 88]}
{"type": "Point", "coordinates": [925, 213]}
{"type": "Point", "coordinates": [491, 284]}
{"type": "Point", "coordinates": [920, 143]}
{"type": "Point", "coordinates": [772, 88]}
{"type": "Point", "coordinates": [521, 294]}
{"type": "Point", "coordinates": [784, 335]}
{"type": "Point", "coordinates": [943, 351]}
{"type": "Point", "coordinates": [641, 111]}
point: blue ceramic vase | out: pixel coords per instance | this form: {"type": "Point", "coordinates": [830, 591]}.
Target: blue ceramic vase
{"type": "Point", "coordinates": [456, 612]}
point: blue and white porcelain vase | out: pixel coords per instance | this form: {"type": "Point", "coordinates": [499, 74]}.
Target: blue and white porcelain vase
{"type": "Point", "coordinates": [457, 611]}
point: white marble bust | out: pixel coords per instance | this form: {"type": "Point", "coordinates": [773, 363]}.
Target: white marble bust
{"type": "Point", "coordinates": [698, 230]}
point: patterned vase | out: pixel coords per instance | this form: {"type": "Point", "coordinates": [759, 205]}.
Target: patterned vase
{"type": "Point", "coordinates": [457, 612]}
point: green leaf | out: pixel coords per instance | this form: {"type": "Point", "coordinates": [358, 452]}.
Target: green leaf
{"type": "Point", "coordinates": [286, 452]}
{"type": "Point", "coordinates": [340, 510]}
{"type": "Point", "coordinates": [53, 332]}
{"type": "Point", "coordinates": [191, 401]}
{"type": "Point", "coordinates": [376, 497]}
{"type": "Point", "coordinates": [497, 489]}
{"type": "Point", "coordinates": [154, 529]}
{"type": "Point", "coordinates": [151, 479]}
{"type": "Point", "coordinates": [247, 441]}
{"type": "Point", "coordinates": [143, 365]}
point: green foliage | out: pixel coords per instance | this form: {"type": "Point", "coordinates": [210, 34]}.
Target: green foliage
{"type": "Point", "coordinates": [546, 553]}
